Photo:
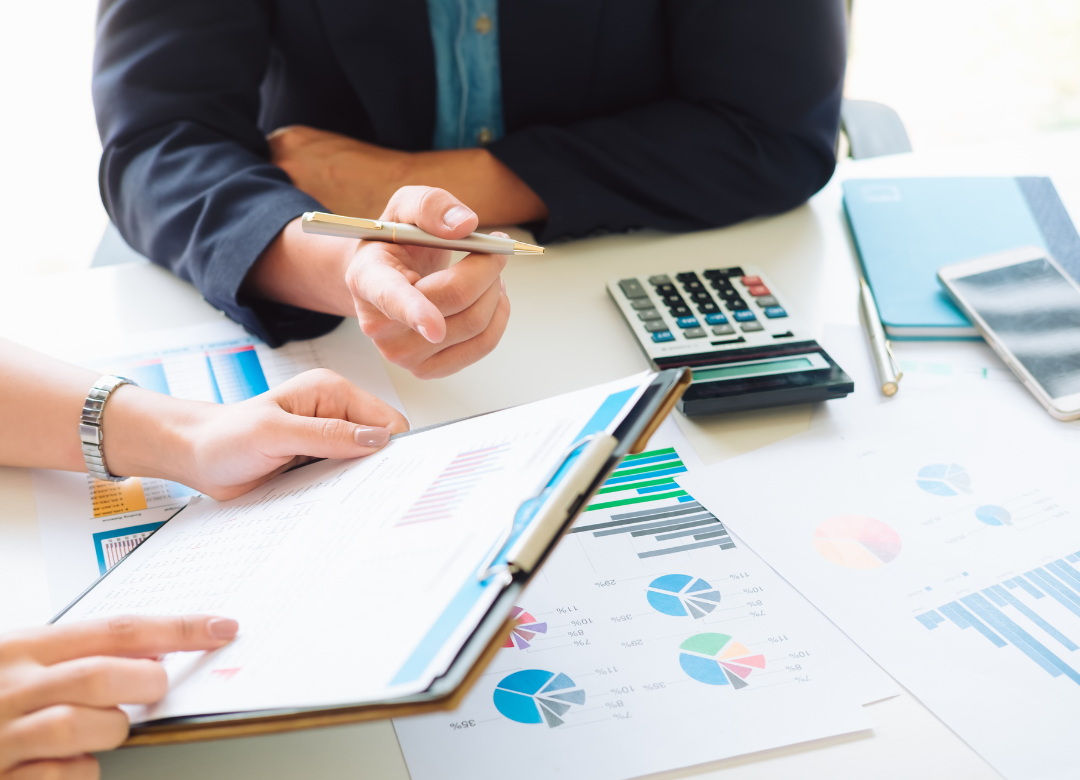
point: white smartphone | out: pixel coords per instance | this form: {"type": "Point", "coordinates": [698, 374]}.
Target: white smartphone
{"type": "Point", "coordinates": [1028, 310]}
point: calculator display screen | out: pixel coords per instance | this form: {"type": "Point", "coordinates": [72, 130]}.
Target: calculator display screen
{"type": "Point", "coordinates": [1034, 312]}
{"type": "Point", "coordinates": [753, 369]}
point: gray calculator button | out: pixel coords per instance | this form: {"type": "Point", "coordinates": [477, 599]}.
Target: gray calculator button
{"type": "Point", "coordinates": [752, 325]}
{"type": "Point", "coordinates": [641, 303]}
{"type": "Point", "coordinates": [655, 326]}
{"type": "Point", "coordinates": [661, 279]}
{"type": "Point", "coordinates": [649, 314]}
{"type": "Point", "coordinates": [723, 330]}
{"type": "Point", "coordinates": [694, 333]}
{"type": "Point", "coordinates": [632, 288]}
{"type": "Point", "coordinates": [767, 300]}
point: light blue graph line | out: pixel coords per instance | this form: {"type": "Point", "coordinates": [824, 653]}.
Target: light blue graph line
{"type": "Point", "coordinates": [961, 617]}
{"type": "Point", "coordinates": [1031, 589]}
{"type": "Point", "coordinates": [1024, 641]}
{"type": "Point", "coordinates": [1066, 572]}
{"type": "Point", "coordinates": [650, 475]}
{"type": "Point", "coordinates": [213, 381]}
{"type": "Point", "coordinates": [643, 461]}
{"type": "Point", "coordinates": [1030, 614]}
{"type": "Point", "coordinates": [657, 488]}
{"type": "Point", "coordinates": [1055, 590]}
{"type": "Point", "coordinates": [684, 499]}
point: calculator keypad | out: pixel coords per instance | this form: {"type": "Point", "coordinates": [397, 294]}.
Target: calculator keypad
{"type": "Point", "coordinates": [716, 302]}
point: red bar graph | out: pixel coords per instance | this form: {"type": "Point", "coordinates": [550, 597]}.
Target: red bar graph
{"type": "Point", "coordinates": [454, 484]}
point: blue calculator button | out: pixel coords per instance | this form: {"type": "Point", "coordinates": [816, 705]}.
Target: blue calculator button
{"type": "Point", "coordinates": [687, 322]}
{"type": "Point", "coordinates": [716, 319]}
{"type": "Point", "coordinates": [743, 315]}
{"type": "Point", "coordinates": [775, 312]}
{"type": "Point", "coordinates": [664, 335]}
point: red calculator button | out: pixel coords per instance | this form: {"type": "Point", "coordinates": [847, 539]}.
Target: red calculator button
{"type": "Point", "coordinates": [757, 290]}
{"type": "Point", "coordinates": [751, 281]}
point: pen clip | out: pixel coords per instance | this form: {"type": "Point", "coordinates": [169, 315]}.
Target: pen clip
{"type": "Point", "coordinates": [527, 510]}
{"type": "Point", "coordinates": [894, 363]}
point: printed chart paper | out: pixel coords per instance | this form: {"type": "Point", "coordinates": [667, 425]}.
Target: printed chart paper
{"type": "Point", "coordinates": [88, 525]}
{"type": "Point", "coordinates": [649, 641]}
{"type": "Point", "coordinates": [942, 534]}
{"type": "Point", "coordinates": [353, 581]}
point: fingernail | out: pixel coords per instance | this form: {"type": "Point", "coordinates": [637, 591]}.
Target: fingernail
{"type": "Point", "coordinates": [423, 331]}
{"type": "Point", "coordinates": [223, 628]}
{"type": "Point", "coordinates": [372, 437]}
{"type": "Point", "coordinates": [456, 216]}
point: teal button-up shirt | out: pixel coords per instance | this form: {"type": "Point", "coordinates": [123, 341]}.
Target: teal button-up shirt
{"type": "Point", "coordinates": [465, 34]}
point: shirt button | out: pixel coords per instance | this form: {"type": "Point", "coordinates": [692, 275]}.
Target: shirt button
{"type": "Point", "coordinates": [483, 24]}
{"type": "Point", "coordinates": [484, 136]}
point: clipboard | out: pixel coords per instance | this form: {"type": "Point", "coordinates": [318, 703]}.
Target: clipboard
{"type": "Point", "coordinates": [533, 534]}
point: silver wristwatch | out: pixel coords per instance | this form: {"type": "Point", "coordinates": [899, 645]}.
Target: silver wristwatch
{"type": "Point", "coordinates": [90, 426]}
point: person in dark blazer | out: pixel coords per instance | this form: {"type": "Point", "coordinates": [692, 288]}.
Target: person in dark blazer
{"type": "Point", "coordinates": [223, 121]}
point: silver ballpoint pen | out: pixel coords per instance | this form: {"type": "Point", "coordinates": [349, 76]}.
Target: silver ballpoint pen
{"type": "Point", "coordinates": [887, 369]}
{"type": "Point", "coordinates": [398, 233]}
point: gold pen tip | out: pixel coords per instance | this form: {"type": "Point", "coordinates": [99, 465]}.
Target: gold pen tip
{"type": "Point", "coordinates": [890, 388]}
{"type": "Point", "coordinates": [521, 248]}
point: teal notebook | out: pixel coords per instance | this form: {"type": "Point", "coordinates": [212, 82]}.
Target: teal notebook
{"type": "Point", "coordinates": [905, 229]}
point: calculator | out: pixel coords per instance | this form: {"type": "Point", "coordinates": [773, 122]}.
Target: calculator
{"type": "Point", "coordinates": [736, 334]}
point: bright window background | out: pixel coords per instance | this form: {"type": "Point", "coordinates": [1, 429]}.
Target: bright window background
{"type": "Point", "coordinates": [957, 71]}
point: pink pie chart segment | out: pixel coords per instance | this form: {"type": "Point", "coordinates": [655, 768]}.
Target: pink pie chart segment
{"type": "Point", "coordinates": [857, 542]}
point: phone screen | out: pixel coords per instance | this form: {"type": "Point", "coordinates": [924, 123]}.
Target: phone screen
{"type": "Point", "coordinates": [1035, 313]}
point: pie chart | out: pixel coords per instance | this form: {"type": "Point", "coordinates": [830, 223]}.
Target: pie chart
{"type": "Point", "coordinates": [944, 479]}
{"type": "Point", "coordinates": [680, 595]}
{"type": "Point", "coordinates": [527, 629]}
{"type": "Point", "coordinates": [717, 659]}
{"type": "Point", "coordinates": [537, 696]}
{"type": "Point", "coordinates": [993, 515]}
{"type": "Point", "coordinates": [857, 542]}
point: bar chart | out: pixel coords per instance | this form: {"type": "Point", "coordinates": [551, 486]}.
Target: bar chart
{"type": "Point", "coordinates": [457, 481]}
{"type": "Point", "coordinates": [1017, 612]}
{"type": "Point", "coordinates": [663, 519]}
{"type": "Point", "coordinates": [112, 546]}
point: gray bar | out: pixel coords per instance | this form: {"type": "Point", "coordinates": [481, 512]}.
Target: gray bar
{"type": "Point", "coordinates": [644, 517]}
{"type": "Point", "coordinates": [691, 532]}
{"type": "Point", "coordinates": [711, 535]}
{"type": "Point", "coordinates": [658, 524]}
{"type": "Point", "coordinates": [684, 548]}
{"type": "Point", "coordinates": [672, 509]}
{"type": "Point", "coordinates": [678, 525]}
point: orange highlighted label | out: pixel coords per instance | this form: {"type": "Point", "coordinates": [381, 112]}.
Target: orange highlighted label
{"type": "Point", "coordinates": [113, 498]}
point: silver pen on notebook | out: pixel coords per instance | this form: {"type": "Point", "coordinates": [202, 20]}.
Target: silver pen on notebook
{"type": "Point", "coordinates": [399, 233]}
{"type": "Point", "coordinates": [888, 371]}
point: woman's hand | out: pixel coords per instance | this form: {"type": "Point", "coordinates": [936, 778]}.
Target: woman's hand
{"type": "Point", "coordinates": [226, 450]}
{"type": "Point", "coordinates": [60, 687]}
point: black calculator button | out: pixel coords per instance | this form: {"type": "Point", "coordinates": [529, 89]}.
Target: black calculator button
{"type": "Point", "coordinates": [708, 308]}
{"type": "Point", "coordinates": [736, 304]}
{"type": "Point", "coordinates": [700, 296]}
{"type": "Point", "coordinates": [723, 330]}
{"type": "Point", "coordinates": [655, 326]}
{"type": "Point", "coordinates": [649, 314]}
{"type": "Point", "coordinates": [666, 289]}
{"type": "Point", "coordinates": [694, 333]}
{"type": "Point", "coordinates": [693, 287]}
{"type": "Point", "coordinates": [659, 280]}
{"type": "Point", "coordinates": [686, 276]}
{"type": "Point", "coordinates": [632, 288]}
{"type": "Point", "coordinates": [767, 300]}
{"type": "Point", "coordinates": [642, 303]}
{"type": "Point", "coordinates": [727, 292]}
{"type": "Point", "coordinates": [679, 311]}
{"type": "Point", "coordinates": [734, 272]}
{"type": "Point", "coordinates": [673, 300]}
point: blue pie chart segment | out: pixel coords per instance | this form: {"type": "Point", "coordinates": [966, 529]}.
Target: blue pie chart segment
{"type": "Point", "coordinates": [993, 515]}
{"type": "Point", "coordinates": [537, 696]}
{"type": "Point", "coordinates": [681, 595]}
{"type": "Point", "coordinates": [944, 479]}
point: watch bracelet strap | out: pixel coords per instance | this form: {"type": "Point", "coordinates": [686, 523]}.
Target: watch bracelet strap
{"type": "Point", "coordinates": [90, 426]}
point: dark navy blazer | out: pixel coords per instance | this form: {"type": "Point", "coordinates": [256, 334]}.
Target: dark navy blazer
{"type": "Point", "coordinates": [620, 114]}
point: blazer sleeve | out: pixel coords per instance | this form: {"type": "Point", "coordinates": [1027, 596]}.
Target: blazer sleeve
{"type": "Point", "coordinates": [185, 172]}
{"type": "Point", "coordinates": [749, 129]}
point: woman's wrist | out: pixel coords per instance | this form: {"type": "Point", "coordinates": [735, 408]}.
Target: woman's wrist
{"type": "Point", "coordinates": [148, 434]}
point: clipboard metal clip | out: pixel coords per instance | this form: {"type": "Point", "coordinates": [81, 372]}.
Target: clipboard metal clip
{"type": "Point", "coordinates": [528, 509]}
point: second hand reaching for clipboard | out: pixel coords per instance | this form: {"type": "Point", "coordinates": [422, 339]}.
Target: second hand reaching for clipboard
{"type": "Point", "coordinates": [410, 235]}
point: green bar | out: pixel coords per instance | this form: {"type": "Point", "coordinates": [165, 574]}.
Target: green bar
{"type": "Point", "coordinates": [649, 454]}
{"type": "Point", "coordinates": [634, 485]}
{"type": "Point", "coordinates": [638, 500]}
{"type": "Point", "coordinates": [667, 464]}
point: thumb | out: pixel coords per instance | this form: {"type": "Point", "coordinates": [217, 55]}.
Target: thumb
{"type": "Point", "coordinates": [323, 437]}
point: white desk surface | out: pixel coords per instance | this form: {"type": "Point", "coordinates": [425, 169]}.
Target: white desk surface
{"type": "Point", "coordinates": [563, 334]}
